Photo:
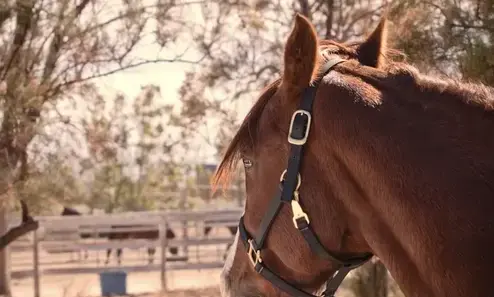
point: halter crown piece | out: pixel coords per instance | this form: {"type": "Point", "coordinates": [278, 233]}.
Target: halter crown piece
{"type": "Point", "coordinates": [290, 182]}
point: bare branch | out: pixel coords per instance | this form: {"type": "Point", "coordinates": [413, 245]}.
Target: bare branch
{"type": "Point", "coordinates": [329, 19]}
{"type": "Point", "coordinates": [305, 8]}
{"type": "Point", "coordinates": [468, 26]}
{"type": "Point", "coordinates": [56, 42]}
{"type": "Point", "coordinates": [126, 67]}
{"type": "Point", "coordinates": [27, 224]}
{"type": "Point", "coordinates": [357, 18]}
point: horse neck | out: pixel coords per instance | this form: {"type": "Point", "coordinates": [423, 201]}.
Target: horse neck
{"type": "Point", "coordinates": [422, 192]}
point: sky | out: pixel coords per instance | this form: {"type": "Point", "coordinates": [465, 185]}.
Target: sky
{"type": "Point", "coordinates": [168, 76]}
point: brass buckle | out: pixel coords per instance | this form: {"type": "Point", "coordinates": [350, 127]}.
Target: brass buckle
{"type": "Point", "coordinates": [254, 255]}
{"type": "Point", "coordinates": [297, 210]}
{"type": "Point", "coordinates": [306, 132]}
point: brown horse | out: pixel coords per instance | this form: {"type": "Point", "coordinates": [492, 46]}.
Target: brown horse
{"type": "Point", "coordinates": [397, 164]}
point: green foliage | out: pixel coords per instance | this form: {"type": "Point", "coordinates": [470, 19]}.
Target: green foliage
{"type": "Point", "coordinates": [478, 62]}
{"type": "Point", "coordinates": [51, 52]}
{"type": "Point", "coordinates": [448, 37]}
{"type": "Point", "coordinates": [126, 169]}
{"type": "Point", "coordinates": [51, 187]}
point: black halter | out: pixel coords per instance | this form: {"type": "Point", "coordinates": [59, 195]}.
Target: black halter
{"type": "Point", "coordinates": [290, 182]}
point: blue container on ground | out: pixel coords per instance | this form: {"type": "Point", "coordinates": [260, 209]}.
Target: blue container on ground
{"type": "Point", "coordinates": [113, 283]}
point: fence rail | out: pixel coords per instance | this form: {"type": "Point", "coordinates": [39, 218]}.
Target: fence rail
{"type": "Point", "coordinates": [152, 267]}
{"type": "Point", "coordinates": [133, 244]}
{"type": "Point", "coordinates": [59, 234]}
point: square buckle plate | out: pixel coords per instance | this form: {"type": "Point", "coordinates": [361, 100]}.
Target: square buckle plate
{"type": "Point", "coordinates": [307, 129]}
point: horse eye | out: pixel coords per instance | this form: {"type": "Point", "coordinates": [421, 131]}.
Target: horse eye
{"type": "Point", "coordinates": [247, 163]}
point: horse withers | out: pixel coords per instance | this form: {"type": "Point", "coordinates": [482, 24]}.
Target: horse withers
{"type": "Point", "coordinates": [352, 153]}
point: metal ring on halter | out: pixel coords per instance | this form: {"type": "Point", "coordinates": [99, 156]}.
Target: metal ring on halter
{"type": "Point", "coordinates": [299, 179]}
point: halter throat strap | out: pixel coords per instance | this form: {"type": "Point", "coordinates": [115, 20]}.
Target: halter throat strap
{"type": "Point", "coordinates": [290, 182]}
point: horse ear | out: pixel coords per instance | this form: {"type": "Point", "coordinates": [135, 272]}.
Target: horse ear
{"type": "Point", "coordinates": [371, 51]}
{"type": "Point", "coordinates": [301, 54]}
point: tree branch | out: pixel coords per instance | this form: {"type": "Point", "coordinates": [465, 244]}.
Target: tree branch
{"type": "Point", "coordinates": [305, 8]}
{"type": "Point", "coordinates": [56, 43]}
{"type": "Point", "coordinates": [118, 69]}
{"type": "Point", "coordinates": [28, 224]}
{"type": "Point", "coordinates": [5, 14]}
{"type": "Point", "coordinates": [468, 26]}
{"type": "Point", "coordinates": [329, 19]}
{"type": "Point", "coordinates": [23, 25]}
{"type": "Point", "coordinates": [351, 24]}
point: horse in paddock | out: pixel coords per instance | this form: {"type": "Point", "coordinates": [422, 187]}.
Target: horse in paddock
{"type": "Point", "coordinates": [145, 234]}
{"type": "Point", "coordinates": [119, 235]}
{"type": "Point", "coordinates": [351, 154]}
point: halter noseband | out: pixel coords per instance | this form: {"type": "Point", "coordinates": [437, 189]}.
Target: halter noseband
{"type": "Point", "coordinates": [290, 182]}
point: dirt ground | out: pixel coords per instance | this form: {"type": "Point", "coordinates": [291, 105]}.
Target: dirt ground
{"type": "Point", "coordinates": [205, 292]}
{"type": "Point", "coordinates": [182, 283]}
{"type": "Point", "coordinates": [138, 283]}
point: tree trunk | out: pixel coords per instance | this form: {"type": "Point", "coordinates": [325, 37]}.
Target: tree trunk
{"type": "Point", "coordinates": [5, 289]}
{"type": "Point", "coordinates": [10, 171]}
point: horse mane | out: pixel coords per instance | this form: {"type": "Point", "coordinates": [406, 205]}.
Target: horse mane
{"type": "Point", "coordinates": [402, 75]}
{"type": "Point", "coordinates": [243, 138]}
{"type": "Point", "coordinates": [395, 73]}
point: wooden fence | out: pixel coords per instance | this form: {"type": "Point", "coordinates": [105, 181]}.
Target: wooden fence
{"type": "Point", "coordinates": [61, 234]}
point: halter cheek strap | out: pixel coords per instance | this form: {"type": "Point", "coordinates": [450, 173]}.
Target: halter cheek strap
{"type": "Point", "coordinates": [290, 182]}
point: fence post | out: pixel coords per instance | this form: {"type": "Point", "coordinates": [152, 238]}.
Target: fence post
{"type": "Point", "coordinates": [36, 264]}
{"type": "Point", "coordinates": [185, 227]}
{"type": "Point", "coordinates": [164, 245]}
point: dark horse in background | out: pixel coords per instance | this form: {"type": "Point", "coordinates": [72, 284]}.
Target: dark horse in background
{"type": "Point", "coordinates": [119, 235]}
